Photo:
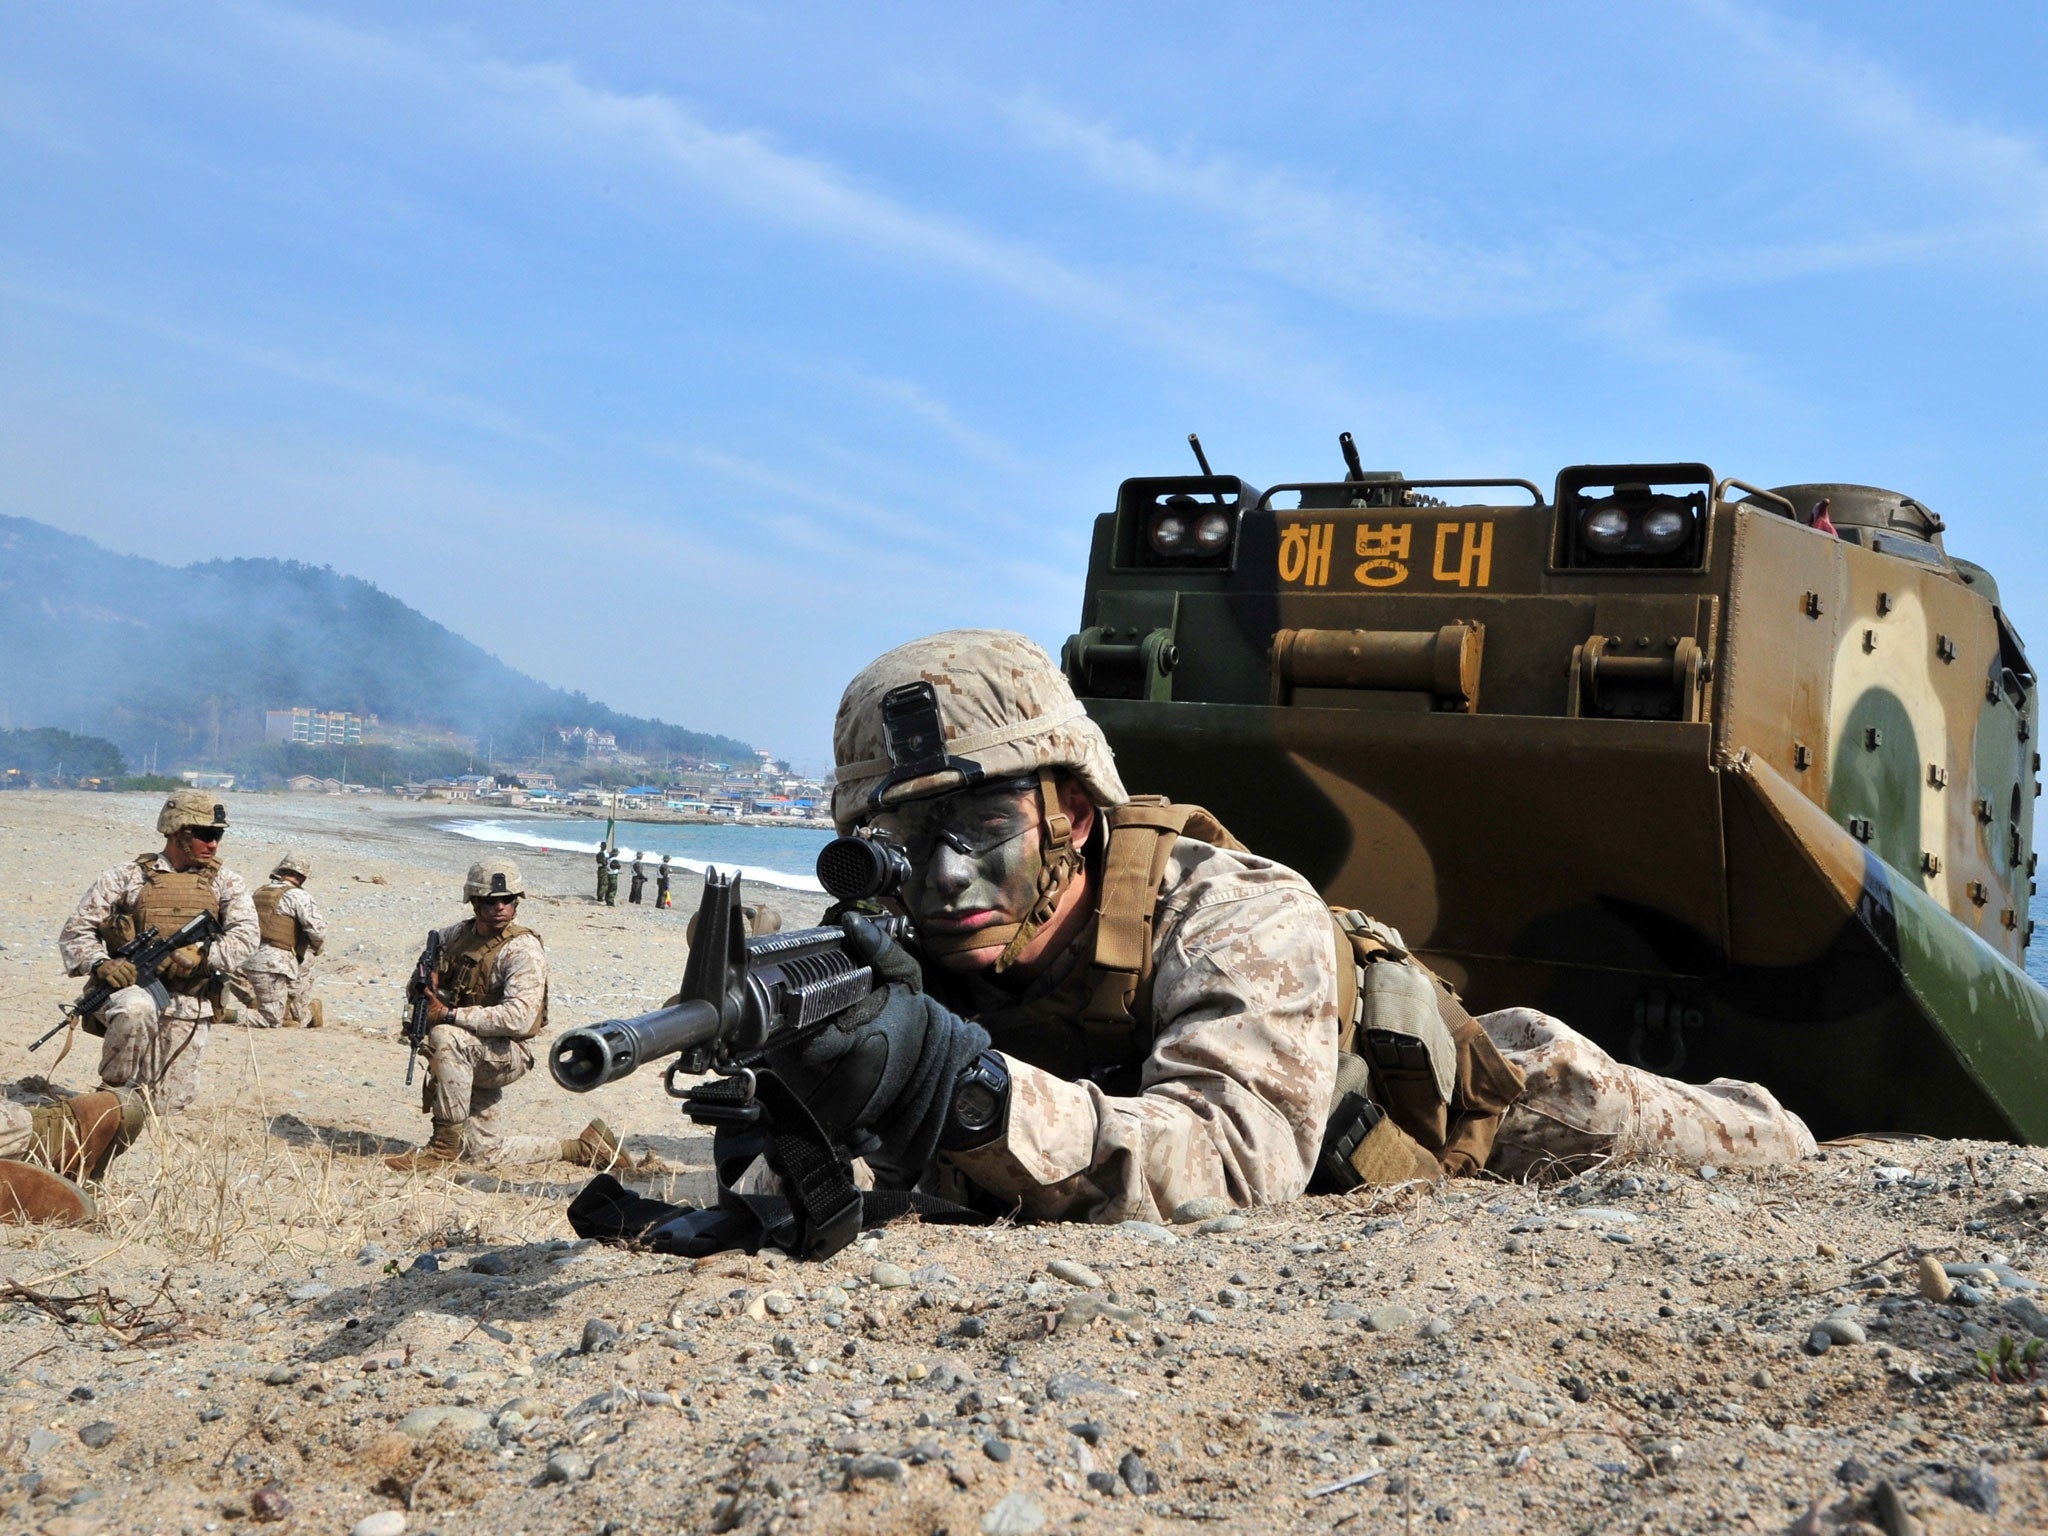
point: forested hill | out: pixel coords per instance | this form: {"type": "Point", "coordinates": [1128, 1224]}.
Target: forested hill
{"type": "Point", "coordinates": [182, 662]}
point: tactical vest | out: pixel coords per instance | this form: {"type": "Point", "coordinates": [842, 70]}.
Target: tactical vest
{"type": "Point", "coordinates": [280, 929]}
{"type": "Point", "coordinates": [466, 971]}
{"type": "Point", "coordinates": [168, 901]}
{"type": "Point", "coordinates": [1421, 1088]}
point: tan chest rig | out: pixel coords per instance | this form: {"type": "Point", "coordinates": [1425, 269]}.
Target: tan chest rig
{"type": "Point", "coordinates": [466, 971]}
{"type": "Point", "coordinates": [280, 929]}
{"type": "Point", "coordinates": [1421, 1087]}
{"type": "Point", "coordinates": [168, 901]}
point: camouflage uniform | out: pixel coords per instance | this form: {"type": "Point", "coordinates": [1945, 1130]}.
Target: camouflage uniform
{"type": "Point", "coordinates": [17, 1130]}
{"type": "Point", "coordinates": [279, 976]}
{"type": "Point", "coordinates": [480, 1052]}
{"type": "Point", "coordinates": [145, 1048]}
{"type": "Point", "coordinates": [1230, 1099]}
{"type": "Point", "coordinates": [1235, 1057]}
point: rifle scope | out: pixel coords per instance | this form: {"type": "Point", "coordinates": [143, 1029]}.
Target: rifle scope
{"type": "Point", "coordinates": [862, 868]}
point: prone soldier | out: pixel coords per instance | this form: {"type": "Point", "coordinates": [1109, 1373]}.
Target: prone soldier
{"type": "Point", "coordinates": [158, 1048]}
{"type": "Point", "coordinates": [489, 998]}
{"type": "Point", "coordinates": [293, 932]}
{"type": "Point", "coordinates": [1116, 1008]}
{"type": "Point", "coordinates": [46, 1153]}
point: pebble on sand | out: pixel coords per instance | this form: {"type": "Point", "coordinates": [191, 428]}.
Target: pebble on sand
{"type": "Point", "coordinates": [1933, 1280]}
{"type": "Point", "coordinates": [1201, 1208]}
{"type": "Point", "coordinates": [1074, 1274]}
{"type": "Point", "coordinates": [388, 1522]}
{"type": "Point", "coordinates": [1015, 1516]}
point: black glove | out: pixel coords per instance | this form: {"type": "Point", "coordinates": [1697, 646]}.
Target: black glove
{"type": "Point", "coordinates": [887, 1066]}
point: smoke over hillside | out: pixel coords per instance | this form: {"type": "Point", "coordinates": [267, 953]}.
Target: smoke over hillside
{"type": "Point", "coordinates": [177, 665]}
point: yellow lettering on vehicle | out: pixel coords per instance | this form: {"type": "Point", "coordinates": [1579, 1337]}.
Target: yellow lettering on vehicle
{"type": "Point", "coordinates": [1382, 553]}
{"type": "Point", "coordinates": [1305, 553]}
{"type": "Point", "coordinates": [1474, 567]}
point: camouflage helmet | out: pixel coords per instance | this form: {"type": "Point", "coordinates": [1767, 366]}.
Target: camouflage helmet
{"type": "Point", "coordinates": [294, 864]}
{"type": "Point", "coordinates": [1004, 706]}
{"type": "Point", "coordinates": [190, 808]}
{"type": "Point", "coordinates": [493, 877]}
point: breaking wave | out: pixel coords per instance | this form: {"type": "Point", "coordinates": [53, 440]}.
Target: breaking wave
{"type": "Point", "coordinates": [792, 851]}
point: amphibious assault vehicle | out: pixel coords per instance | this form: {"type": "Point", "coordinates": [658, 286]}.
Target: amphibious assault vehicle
{"type": "Point", "coordinates": [1738, 781]}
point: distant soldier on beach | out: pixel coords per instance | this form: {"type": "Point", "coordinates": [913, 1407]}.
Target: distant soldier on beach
{"type": "Point", "coordinates": [611, 877]}
{"type": "Point", "coordinates": [603, 853]}
{"type": "Point", "coordinates": [639, 883]}
{"type": "Point", "coordinates": [154, 1048]}
{"type": "Point", "coordinates": [489, 999]}
{"type": "Point", "coordinates": [661, 896]}
{"type": "Point", "coordinates": [294, 931]}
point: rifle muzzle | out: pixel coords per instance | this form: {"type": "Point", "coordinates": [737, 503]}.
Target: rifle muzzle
{"type": "Point", "coordinates": [588, 1058]}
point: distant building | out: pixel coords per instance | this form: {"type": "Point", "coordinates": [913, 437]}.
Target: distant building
{"type": "Point", "coordinates": [308, 784]}
{"type": "Point", "coordinates": [200, 779]}
{"type": "Point", "coordinates": [314, 727]}
{"type": "Point", "coordinates": [594, 743]}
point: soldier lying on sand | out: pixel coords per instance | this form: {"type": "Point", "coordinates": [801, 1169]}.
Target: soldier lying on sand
{"type": "Point", "coordinates": [1117, 1009]}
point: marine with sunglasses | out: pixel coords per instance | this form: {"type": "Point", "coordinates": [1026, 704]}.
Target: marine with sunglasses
{"type": "Point", "coordinates": [158, 1047]}
{"type": "Point", "coordinates": [488, 999]}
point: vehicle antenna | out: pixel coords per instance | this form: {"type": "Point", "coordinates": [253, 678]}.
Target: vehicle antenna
{"type": "Point", "coordinates": [1202, 459]}
{"type": "Point", "coordinates": [1351, 464]}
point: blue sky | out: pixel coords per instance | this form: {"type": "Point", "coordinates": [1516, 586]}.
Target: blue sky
{"type": "Point", "coordinates": [692, 354]}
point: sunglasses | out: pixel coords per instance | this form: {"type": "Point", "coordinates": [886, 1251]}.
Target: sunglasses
{"type": "Point", "coordinates": [498, 901]}
{"type": "Point", "coordinates": [206, 834]}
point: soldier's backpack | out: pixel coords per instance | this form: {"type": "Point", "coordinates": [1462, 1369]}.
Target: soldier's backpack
{"type": "Point", "coordinates": [1421, 1088]}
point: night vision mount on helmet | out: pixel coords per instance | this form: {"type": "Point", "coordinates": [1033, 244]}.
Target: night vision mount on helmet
{"type": "Point", "coordinates": [1738, 781]}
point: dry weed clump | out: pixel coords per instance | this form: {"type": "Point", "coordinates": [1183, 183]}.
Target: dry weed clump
{"type": "Point", "coordinates": [226, 1187]}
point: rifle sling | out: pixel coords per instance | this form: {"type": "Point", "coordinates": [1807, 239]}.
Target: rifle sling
{"type": "Point", "coordinates": [818, 1213]}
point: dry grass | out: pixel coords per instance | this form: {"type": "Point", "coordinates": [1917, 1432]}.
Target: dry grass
{"type": "Point", "coordinates": [239, 1184]}
{"type": "Point", "coordinates": [224, 1188]}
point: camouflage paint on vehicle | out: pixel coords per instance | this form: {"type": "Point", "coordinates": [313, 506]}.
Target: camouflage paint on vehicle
{"type": "Point", "coordinates": [1756, 803]}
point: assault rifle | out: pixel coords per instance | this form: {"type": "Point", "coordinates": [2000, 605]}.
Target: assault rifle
{"type": "Point", "coordinates": [422, 988]}
{"type": "Point", "coordinates": [736, 993]}
{"type": "Point", "coordinates": [147, 952]}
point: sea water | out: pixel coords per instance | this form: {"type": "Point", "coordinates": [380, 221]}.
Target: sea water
{"type": "Point", "coordinates": [781, 856]}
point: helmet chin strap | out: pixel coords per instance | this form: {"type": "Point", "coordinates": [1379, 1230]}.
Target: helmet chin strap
{"type": "Point", "coordinates": [1061, 862]}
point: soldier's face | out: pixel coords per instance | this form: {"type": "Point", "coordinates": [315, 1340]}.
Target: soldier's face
{"type": "Point", "coordinates": [190, 847]}
{"type": "Point", "coordinates": [976, 859]}
{"type": "Point", "coordinates": [494, 914]}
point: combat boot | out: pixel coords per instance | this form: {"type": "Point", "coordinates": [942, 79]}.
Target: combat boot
{"type": "Point", "coordinates": [80, 1136]}
{"type": "Point", "coordinates": [316, 1017]}
{"type": "Point", "coordinates": [32, 1195]}
{"type": "Point", "coordinates": [442, 1148]}
{"type": "Point", "coordinates": [595, 1147]}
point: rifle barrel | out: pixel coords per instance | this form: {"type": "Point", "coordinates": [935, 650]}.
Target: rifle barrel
{"type": "Point", "coordinates": [587, 1058]}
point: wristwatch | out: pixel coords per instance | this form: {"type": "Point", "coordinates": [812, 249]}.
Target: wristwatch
{"type": "Point", "coordinates": [981, 1104]}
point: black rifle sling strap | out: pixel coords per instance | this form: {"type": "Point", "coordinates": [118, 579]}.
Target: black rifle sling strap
{"type": "Point", "coordinates": [819, 1211]}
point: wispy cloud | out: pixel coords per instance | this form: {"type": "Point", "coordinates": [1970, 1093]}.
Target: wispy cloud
{"type": "Point", "coordinates": [1998, 174]}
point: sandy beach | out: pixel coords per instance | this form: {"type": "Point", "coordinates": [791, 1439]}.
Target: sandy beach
{"type": "Point", "coordinates": [266, 1327]}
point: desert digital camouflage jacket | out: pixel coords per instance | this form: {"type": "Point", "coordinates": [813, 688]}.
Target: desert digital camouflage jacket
{"type": "Point", "coordinates": [1233, 1093]}
{"type": "Point", "coordinates": [119, 888]}
{"type": "Point", "coordinates": [298, 904]}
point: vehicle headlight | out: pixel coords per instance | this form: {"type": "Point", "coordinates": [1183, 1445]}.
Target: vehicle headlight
{"type": "Point", "coordinates": [1665, 529]}
{"type": "Point", "coordinates": [1168, 533]}
{"type": "Point", "coordinates": [1212, 532]}
{"type": "Point", "coordinates": [1605, 528]}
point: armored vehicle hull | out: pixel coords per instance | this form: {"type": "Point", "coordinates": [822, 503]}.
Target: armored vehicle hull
{"type": "Point", "coordinates": [1735, 788]}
